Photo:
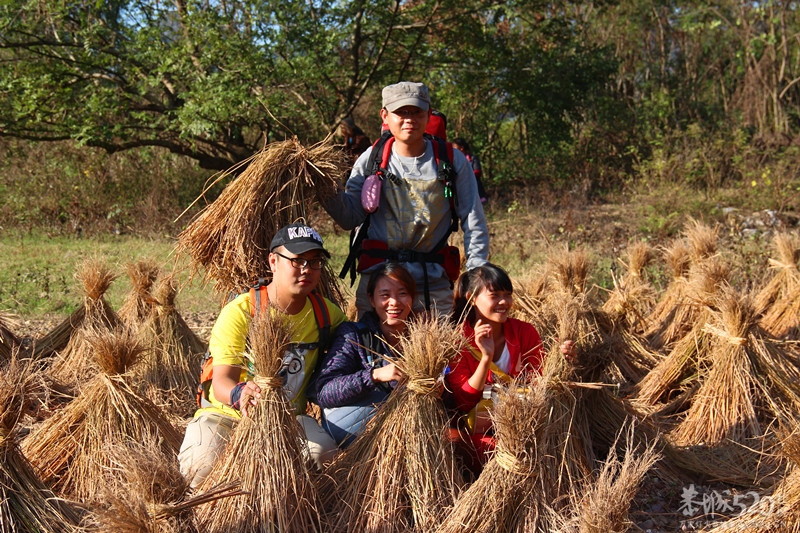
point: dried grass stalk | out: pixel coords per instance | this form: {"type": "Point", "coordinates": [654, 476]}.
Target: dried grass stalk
{"type": "Point", "coordinates": [605, 504]}
{"type": "Point", "coordinates": [266, 453]}
{"type": "Point", "coordinates": [400, 474]}
{"type": "Point", "coordinates": [75, 364]}
{"type": "Point", "coordinates": [230, 238]}
{"type": "Point", "coordinates": [8, 340]}
{"type": "Point", "coordinates": [69, 449]}
{"type": "Point", "coordinates": [747, 381]}
{"type": "Point", "coordinates": [146, 493]}
{"type": "Point", "coordinates": [633, 298]}
{"type": "Point", "coordinates": [171, 366]}
{"type": "Point", "coordinates": [27, 505]}
{"type": "Point", "coordinates": [778, 302]}
{"type": "Point", "coordinates": [139, 302]}
{"type": "Point", "coordinates": [703, 240]}
{"type": "Point", "coordinates": [494, 501]}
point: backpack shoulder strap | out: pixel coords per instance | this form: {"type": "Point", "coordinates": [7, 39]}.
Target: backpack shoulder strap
{"type": "Point", "coordinates": [323, 317]}
{"type": "Point", "coordinates": [381, 152]}
{"type": "Point", "coordinates": [259, 298]}
{"type": "Point", "coordinates": [443, 152]}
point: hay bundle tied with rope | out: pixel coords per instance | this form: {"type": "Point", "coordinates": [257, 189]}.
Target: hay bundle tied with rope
{"type": "Point", "coordinates": [746, 382]}
{"type": "Point", "coordinates": [400, 474]}
{"type": "Point", "coordinates": [76, 364]}
{"type": "Point", "coordinates": [171, 365]}
{"type": "Point", "coordinates": [27, 505]}
{"type": "Point", "coordinates": [8, 340]}
{"type": "Point", "coordinates": [493, 502]}
{"type": "Point", "coordinates": [687, 297]}
{"type": "Point", "coordinates": [267, 452]}
{"type": "Point", "coordinates": [604, 505]}
{"type": "Point", "coordinates": [146, 493]}
{"type": "Point", "coordinates": [633, 297]}
{"type": "Point", "coordinates": [68, 450]}
{"type": "Point", "coordinates": [230, 238]}
{"type": "Point", "coordinates": [778, 302]}
{"type": "Point", "coordinates": [139, 301]}
{"type": "Point", "coordinates": [95, 278]}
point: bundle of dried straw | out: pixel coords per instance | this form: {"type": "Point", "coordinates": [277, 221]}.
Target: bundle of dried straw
{"type": "Point", "coordinates": [147, 493]}
{"type": "Point", "coordinates": [75, 364]}
{"type": "Point", "coordinates": [746, 381]}
{"type": "Point", "coordinates": [266, 453]}
{"type": "Point", "coordinates": [27, 505]}
{"type": "Point", "coordinates": [170, 367]}
{"type": "Point", "coordinates": [231, 236]}
{"type": "Point", "coordinates": [69, 449]}
{"type": "Point", "coordinates": [697, 274]}
{"type": "Point", "coordinates": [8, 340]}
{"type": "Point", "coordinates": [633, 297]}
{"type": "Point", "coordinates": [494, 502]}
{"type": "Point", "coordinates": [778, 302]}
{"type": "Point", "coordinates": [401, 475]}
{"type": "Point", "coordinates": [139, 302]}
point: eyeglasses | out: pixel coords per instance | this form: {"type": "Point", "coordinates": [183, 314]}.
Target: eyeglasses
{"type": "Point", "coordinates": [410, 112]}
{"type": "Point", "coordinates": [299, 263]}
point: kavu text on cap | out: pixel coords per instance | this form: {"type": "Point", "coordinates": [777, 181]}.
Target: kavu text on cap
{"type": "Point", "coordinates": [298, 238]}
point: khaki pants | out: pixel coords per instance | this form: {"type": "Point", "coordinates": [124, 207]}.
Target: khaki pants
{"type": "Point", "coordinates": [208, 434]}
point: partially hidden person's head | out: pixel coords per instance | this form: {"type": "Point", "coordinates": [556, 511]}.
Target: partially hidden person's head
{"type": "Point", "coordinates": [297, 257]}
{"type": "Point", "coordinates": [460, 143]}
{"type": "Point", "coordinates": [392, 290]}
{"type": "Point", "coordinates": [483, 292]}
{"type": "Point", "coordinates": [406, 109]}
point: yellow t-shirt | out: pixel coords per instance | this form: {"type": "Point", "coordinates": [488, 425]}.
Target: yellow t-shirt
{"type": "Point", "coordinates": [228, 345]}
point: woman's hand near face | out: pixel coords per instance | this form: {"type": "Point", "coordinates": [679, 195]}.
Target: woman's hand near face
{"type": "Point", "coordinates": [387, 373]}
{"type": "Point", "coordinates": [484, 339]}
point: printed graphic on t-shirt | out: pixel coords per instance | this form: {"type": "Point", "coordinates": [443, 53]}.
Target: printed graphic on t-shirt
{"type": "Point", "coordinates": [293, 370]}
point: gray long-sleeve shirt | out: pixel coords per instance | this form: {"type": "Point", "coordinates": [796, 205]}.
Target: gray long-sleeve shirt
{"type": "Point", "coordinates": [414, 213]}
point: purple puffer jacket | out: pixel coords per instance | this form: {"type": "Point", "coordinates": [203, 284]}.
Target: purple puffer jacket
{"type": "Point", "coordinates": [344, 376]}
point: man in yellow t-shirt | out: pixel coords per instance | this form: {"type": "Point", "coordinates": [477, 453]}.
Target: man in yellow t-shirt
{"type": "Point", "coordinates": [296, 259]}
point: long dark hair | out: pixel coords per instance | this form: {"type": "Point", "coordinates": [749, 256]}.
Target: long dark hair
{"type": "Point", "coordinates": [472, 282]}
{"type": "Point", "coordinates": [395, 271]}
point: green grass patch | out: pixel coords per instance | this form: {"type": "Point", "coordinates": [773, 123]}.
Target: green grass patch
{"type": "Point", "coordinates": [37, 272]}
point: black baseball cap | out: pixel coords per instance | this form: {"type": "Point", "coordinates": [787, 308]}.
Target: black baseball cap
{"type": "Point", "coordinates": [298, 238]}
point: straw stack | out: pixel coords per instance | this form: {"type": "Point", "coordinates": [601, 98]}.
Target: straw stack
{"type": "Point", "coordinates": [69, 449]}
{"type": "Point", "coordinates": [27, 505]}
{"type": "Point", "coordinates": [400, 474]}
{"type": "Point", "coordinates": [633, 297]}
{"type": "Point", "coordinates": [146, 493]}
{"type": "Point", "coordinates": [605, 504]}
{"type": "Point", "coordinates": [75, 364]}
{"type": "Point", "coordinates": [139, 302]}
{"type": "Point", "coordinates": [8, 340]}
{"type": "Point", "coordinates": [778, 302]}
{"type": "Point", "coordinates": [494, 501]}
{"type": "Point", "coordinates": [230, 238]}
{"type": "Point", "coordinates": [746, 380]}
{"type": "Point", "coordinates": [266, 453]}
{"type": "Point", "coordinates": [697, 272]}
{"type": "Point", "coordinates": [171, 365]}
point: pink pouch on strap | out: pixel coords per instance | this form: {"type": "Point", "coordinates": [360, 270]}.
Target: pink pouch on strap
{"type": "Point", "coordinates": [371, 193]}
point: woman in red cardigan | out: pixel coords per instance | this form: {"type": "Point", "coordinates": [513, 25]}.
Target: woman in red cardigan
{"type": "Point", "coordinates": [500, 347]}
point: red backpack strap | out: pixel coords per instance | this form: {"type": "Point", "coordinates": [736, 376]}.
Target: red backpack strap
{"type": "Point", "coordinates": [323, 317]}
{"type": "Point", "coordinates": [259, 299]}
{"type": "Point", "coordinates": [381, 152]}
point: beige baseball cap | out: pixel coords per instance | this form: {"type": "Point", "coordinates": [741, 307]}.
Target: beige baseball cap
{"type": "Point", "coordinates": [406, 93]}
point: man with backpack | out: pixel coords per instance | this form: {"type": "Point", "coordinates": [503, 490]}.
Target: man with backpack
{"type": "Point", "coordinates": [406, 195]}
{"type": "Point", "coordinates": [296, 260]}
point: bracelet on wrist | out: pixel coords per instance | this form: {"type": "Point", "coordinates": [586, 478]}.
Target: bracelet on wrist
{"type": "Point", "coordinates": [236, 394]}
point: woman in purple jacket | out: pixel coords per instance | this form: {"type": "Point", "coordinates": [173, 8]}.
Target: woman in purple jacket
{"type": "Point", "coordinates": [355, 376]}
